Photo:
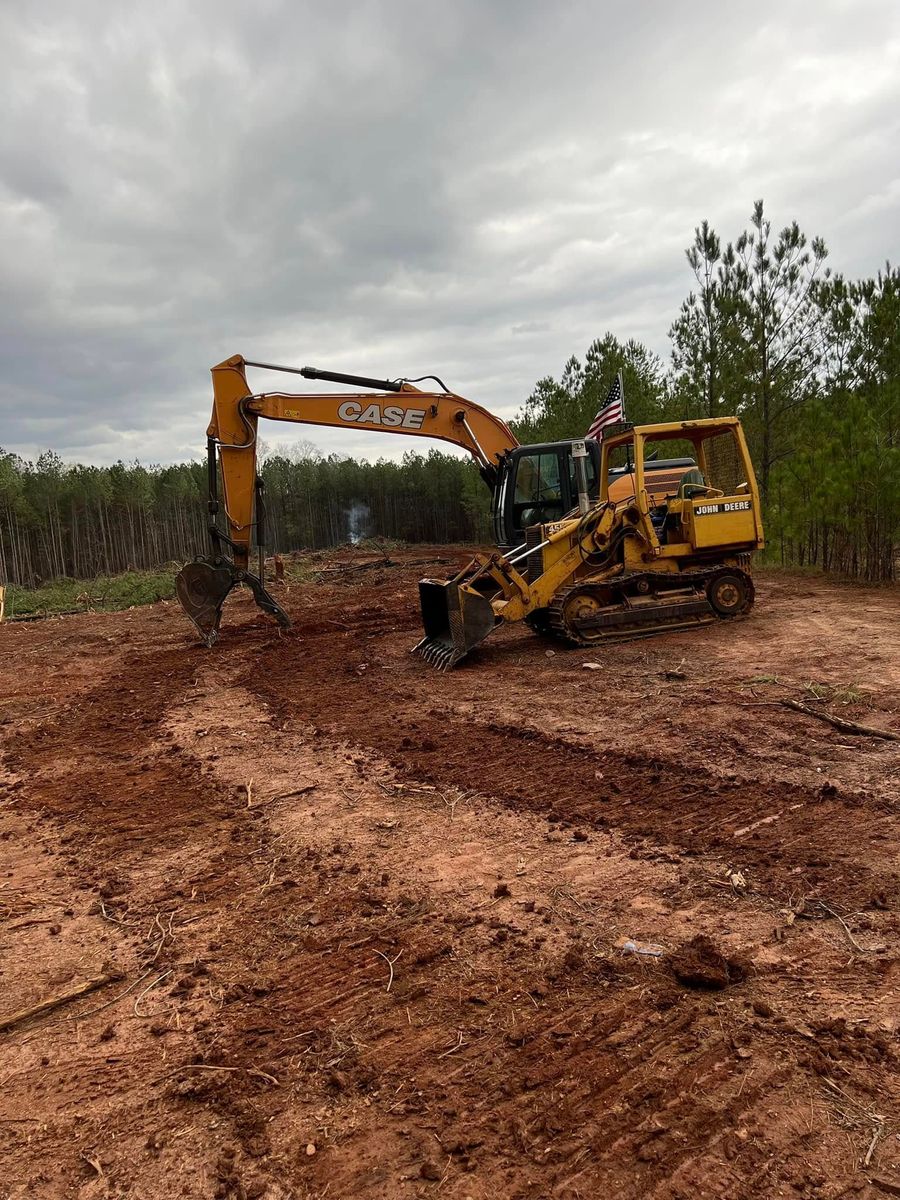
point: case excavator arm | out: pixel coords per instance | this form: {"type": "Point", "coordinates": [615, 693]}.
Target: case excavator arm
{"type": "Point", "coordinates": [395, 406]}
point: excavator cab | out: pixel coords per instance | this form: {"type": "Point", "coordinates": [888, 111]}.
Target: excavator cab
{"type": "Point", "coordinates": [536, 485]}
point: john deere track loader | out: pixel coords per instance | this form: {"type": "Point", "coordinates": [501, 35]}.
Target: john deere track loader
{"type": "Point", "coordinates": [613, 570]}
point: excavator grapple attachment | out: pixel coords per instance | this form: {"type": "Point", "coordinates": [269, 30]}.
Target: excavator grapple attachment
{"type": "Point", "coordinates": [202, 587]}
{"type": "Point", "coordinates": [455, 619]}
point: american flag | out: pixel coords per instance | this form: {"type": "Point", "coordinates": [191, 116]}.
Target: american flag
{"type": "Point", "coordinates": [611, 410]}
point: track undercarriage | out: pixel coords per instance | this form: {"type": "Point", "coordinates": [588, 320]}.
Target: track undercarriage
{"type": "Point", "coordinates": [641, 604]}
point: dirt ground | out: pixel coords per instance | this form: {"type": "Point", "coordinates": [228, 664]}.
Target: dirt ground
{"type": "Point", "coordinates": [368, 920]}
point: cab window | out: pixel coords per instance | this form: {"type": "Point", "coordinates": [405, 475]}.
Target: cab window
{"type": "Point", "coordinates": [538, 497]}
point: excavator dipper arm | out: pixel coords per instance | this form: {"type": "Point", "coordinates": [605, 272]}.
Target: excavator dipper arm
{"type": "Point", "coordinates": [397, 407]}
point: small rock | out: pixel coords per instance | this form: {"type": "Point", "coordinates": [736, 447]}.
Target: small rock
{"type": "Point", "coordinates": [578, 835]}
{"type": "Point", "coordinates": [430, 1170]}
{"type": "Point", "coordinates": [54, 930]}
{"type": "Point", "coordinates": [108, 1033]}
{"type": "Point", "coordinates": [310, 1149]}
{"type": "Point", "coordinates": [502, 889]}
{"type": "Point", "coordinates": [592, 666]}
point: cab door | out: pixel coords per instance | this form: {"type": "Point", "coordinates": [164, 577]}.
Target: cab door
{"type": "Point", "coordinates": [540, 486]}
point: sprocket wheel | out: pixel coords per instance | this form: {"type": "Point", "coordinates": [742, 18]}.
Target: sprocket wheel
{"type": "Point", "coordinates": [581, 606]}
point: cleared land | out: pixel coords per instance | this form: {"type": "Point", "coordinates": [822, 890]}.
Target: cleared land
{"type": "Point", "coordinates": [370, 917]}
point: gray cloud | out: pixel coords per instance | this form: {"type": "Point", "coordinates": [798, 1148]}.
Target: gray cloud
{"type": "Point", "coordinates": [393, 187]}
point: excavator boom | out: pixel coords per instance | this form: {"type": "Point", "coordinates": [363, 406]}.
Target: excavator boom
{"type": "Point", "coordinates": [397, 406]}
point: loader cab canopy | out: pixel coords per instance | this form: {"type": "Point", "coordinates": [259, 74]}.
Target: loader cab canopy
{"type": "Point", "coordinates": [719, 456]}
{"type": "Point", "coordinates": [537, 485]}
{"type": "Point", "coordinates": [714, 503]}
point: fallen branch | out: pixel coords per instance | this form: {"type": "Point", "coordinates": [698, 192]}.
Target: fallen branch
{"type": "Point", "coordinates": [459, 1043]}
{"type": "Point", "coordinates": [300, 791]}
{"type": "Point", "coordinates": [363, 566]}
{"type": "Point", "coordinates": [846, 928]}
{"type": "Point", "coordinates": [46, 1006]}
{"type": "Point", "coordinates": [390, 962]}
{"type": "Point", "coordinates": [100, 1007]}
{"type": "Point", "coordinates": [253, 1072]}
{"type": "Point", "coordinates": [840, 723]}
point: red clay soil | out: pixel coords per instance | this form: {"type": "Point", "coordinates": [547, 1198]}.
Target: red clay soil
{"type": "Point", "coordinates": [372, 920]}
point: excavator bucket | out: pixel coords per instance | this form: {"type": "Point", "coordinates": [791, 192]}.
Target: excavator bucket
{"type": "Point", "coordinates": [201, 587]}
{"type": "Point", "coordinates": [455, 618]}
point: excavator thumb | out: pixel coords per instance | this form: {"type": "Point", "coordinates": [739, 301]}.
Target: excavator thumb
{"type": "Point", "coordinates": [455, 618]}
{"type": "Point", "coordinates": [202, 586]}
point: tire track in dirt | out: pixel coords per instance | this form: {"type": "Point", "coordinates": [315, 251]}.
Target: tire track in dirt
{"type": "Point", "coordinates": [519, 1098]}
{"type": "Point", "coordinates": [795, 840]}
{"type": "Point", "coordinates": [358, 1043]}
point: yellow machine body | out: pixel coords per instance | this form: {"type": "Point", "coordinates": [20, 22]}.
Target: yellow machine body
{"type": "Point", "coordinates": [622, 569]}
{"type": "Point", "coordinates": [236, 494]}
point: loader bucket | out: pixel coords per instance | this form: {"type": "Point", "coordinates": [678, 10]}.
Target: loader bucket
{"type": "Point", "coordinates": [455, 619]}
{"type": "Point", "coordinates": [201, 587]}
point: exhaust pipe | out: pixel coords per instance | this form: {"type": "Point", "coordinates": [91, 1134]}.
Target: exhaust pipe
{"type": "Point", "coordinates": [455, 618]}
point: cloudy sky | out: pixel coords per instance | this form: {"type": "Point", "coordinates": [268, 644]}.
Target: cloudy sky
{"type": "Point", "coordinates": [395, 187]}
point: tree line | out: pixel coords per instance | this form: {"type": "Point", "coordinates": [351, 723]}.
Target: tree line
{"type": "Point", "coordinates": [60, 521]}
{"type": "Point", "coordinates": [809, 360]}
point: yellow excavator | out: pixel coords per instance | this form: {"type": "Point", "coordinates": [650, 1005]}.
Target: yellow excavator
{"type": "Point", "coordinates": [530, 484]}
{"type": "Point", "coordinates": [613, 570]}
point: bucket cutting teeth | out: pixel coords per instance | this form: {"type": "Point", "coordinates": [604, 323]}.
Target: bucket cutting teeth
{"type": "Point", "coordinates": [437, 654]}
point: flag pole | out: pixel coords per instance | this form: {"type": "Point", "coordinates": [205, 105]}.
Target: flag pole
{"type": "Point", "coordinates": [622, 396]}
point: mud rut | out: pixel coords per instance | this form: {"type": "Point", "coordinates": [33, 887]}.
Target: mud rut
{"type": "Point", "coordinates": [379, 920]}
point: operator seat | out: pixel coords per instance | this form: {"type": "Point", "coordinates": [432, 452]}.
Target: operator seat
{"type": "Point", "coordinates": [692, 485]}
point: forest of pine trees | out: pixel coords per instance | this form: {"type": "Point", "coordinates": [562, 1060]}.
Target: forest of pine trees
{"type": "Point", "coordinates": [810, 361]}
